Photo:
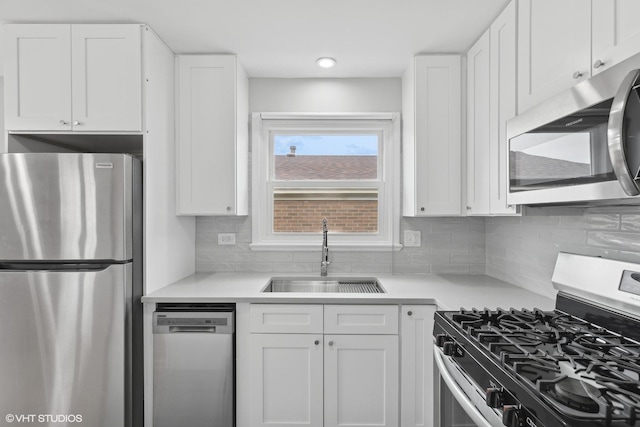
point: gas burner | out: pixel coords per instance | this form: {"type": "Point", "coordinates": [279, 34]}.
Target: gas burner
{"type": "Point", "coordinates": [573, 393]}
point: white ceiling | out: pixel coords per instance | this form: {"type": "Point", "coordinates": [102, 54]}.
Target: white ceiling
{"type": "Point", "coordinates": [283, 38]}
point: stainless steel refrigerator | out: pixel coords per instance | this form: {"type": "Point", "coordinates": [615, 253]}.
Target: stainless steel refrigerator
{"type": "Point", "coordinates": [70, 285]}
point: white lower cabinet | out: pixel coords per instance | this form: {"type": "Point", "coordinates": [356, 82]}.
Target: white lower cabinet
{"type": "Point", "coordinates": [361, 380]}
{"type": "Point", "coordinates": [417, 387]}
{"type": "Point", "coordinates": [287, 377]}
{"type": "Point", "coordinates": [311, 379]}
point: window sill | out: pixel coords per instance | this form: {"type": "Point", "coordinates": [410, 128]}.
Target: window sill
{"type": "Point", "coordinates": [333, 247]}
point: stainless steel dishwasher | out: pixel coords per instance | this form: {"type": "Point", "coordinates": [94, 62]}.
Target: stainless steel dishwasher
{"type": "Point", "coordinates": [193, 365]}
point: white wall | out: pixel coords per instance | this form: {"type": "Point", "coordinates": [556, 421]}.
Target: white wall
{"type": "Point", "coordinates": [449, 245]}
{"type": "Point", "coordinates": [325, 95]}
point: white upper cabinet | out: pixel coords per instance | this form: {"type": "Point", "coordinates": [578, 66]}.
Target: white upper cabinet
{"type": "Point", "coordinates": [502, 106]}
{"type": "Point", "coordinates": [478, 124]}
{"type": "Point", "coordinates": [561, 43]}
{"type": "Point", "coordinates": [107, 76]}
{"type": "Point", "coordinates": [62, 77]}
{"type": "Point", "coordinates": [432, 141]}
{"type": "Point", "coordinates": [616, 32]}
{"type": "Point", "coordinates": [554, 48]}
{"type": "Point", "coordinates": [37, 77]}
{"type": "Point", "coordinates": [213, 136]}
{"type": "Point", "coordinates": [491, 101]}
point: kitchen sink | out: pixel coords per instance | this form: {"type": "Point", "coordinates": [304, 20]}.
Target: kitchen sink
{"type": "Point", "coordinates": [350, 285]}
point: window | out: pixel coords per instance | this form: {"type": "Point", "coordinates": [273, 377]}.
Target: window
{"type": "Point", "coordinates": [344, 168]}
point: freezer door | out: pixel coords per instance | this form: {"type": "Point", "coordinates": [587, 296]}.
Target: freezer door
{"type": "Point", "coordinates": [65, 206]}
{"type": "Point", "coordinates": [63, 349]}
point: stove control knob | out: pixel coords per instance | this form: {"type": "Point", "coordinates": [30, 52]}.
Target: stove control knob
{"type": "Point", "coordinates": [448, 348]}
{"type": "Point", "coordinates": [511, 416]}
{"type": "Point", "coordinates": [441, 339]}
{"type": "Point", "coordinates": [494, 397]}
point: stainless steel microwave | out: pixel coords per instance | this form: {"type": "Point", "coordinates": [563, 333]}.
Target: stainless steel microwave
{"type": "Point", "coordinates": [581, 146]}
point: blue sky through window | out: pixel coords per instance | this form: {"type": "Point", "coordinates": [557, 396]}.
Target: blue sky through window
{"type": "Point", "coordinates": [327, 145]}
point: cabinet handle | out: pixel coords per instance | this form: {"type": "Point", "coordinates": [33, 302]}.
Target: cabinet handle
{"type": "Point", "coordinates": [421, 209]}
{"type": "Point", "coordinates": [316, 342]}
{"type": "Point", "coordinates": [330, 343]}
{"type": "Point", "coordinates": [598, 64]}
{"type": "Point", "coordinates": [76, 123]}
{"type": "Point", "coordinates": [409, 313]}
{"type": "Point", "coordinates": [577, 75]}
{"type": "Point", "coordinates": [63, 123]}
{"type": "Point", "coordinates": [228, 208]}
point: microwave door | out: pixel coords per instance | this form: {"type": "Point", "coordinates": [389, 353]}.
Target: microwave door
{"type": "Point", "coordinates": [623, 135]}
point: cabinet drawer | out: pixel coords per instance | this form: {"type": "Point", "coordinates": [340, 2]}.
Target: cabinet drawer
{"type": "Point", "coordinates": [361, 319]}
{"type": "Point", "coordinates": [286, 318]}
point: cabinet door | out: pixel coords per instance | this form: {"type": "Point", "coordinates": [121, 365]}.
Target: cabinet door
{"type": "Point", "coordinates": [206, 146]}
{"type": "Point", "coordinates": [554, 48]}
{"type": "Point", "coordinates": [107, 77]}
{"type": "Point", "coordinates": [417, 366]}
{"type": "Point", "coordinates": [502, 105]}
{"type": "Point", "coordinates": [616, 32]}
{"type": "Point", "coordinates": [38, 77]}
{"type": "Point", "coordinates": [361, 380]}
{"type": "Point", "coordinates": [286, 375]}
{"type": "Point", "coordinates": [438, 143]}
{"type": "Point", "coordinates": [478, 123]}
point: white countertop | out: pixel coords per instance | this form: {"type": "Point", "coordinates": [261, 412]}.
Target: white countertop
{"type": "Point", "coordinates": [449, 292]}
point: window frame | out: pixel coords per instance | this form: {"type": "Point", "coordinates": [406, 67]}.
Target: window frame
{"type": "Point", "coordinates": [266, 125]}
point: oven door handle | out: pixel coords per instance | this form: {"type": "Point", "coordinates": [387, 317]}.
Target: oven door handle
{"type": "Point", "coordinates": [457, 392]}
{"type": "Point", "coordinates": [615, 136]}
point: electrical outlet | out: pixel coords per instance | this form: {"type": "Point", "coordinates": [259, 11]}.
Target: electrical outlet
{"type": "Point", "coordinates": [412, 238]}
{"type": "Point", "coordinates": [226, 238]}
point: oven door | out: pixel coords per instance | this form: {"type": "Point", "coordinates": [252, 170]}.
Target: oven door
{"type": "Point", "coordinates": [461, 402]}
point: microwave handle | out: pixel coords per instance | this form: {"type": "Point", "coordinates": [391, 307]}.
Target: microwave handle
{"type": "Point", "coordinates": [615, 135]}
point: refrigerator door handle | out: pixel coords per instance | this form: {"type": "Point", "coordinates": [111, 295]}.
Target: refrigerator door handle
{"type": "Point", "coordinates": [49, 266]}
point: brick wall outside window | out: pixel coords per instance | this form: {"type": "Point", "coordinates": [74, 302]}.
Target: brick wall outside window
{"type": "Point", "coordinates": [347, 216]}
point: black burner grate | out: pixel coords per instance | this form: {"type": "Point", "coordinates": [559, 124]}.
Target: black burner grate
{"type": "Point", "coordinates": [579, 368]}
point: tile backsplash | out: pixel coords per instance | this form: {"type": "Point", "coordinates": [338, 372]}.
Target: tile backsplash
{"type": "Point", "coordinates": [523, 250]}
{"type": "Point", "coordinates": [448, 245]}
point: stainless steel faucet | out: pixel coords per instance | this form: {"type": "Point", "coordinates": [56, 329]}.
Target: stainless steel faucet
{"type": "Point", "coordinates": [324, 262]}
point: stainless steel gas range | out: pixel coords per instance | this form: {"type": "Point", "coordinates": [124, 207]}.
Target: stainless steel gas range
{"type": "Point", "coordinates": [578, 365]}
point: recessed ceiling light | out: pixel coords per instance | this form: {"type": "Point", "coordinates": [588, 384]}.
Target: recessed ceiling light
{"type": "Point", "coordinates": [326, 62]}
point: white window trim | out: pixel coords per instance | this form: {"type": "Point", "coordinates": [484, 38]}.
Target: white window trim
{"type": "Point", "coordinates": [388, 237]}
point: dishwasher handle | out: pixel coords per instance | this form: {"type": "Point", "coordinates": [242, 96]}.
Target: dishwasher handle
{"type": "Point", "coordinates": [182, 329]}
{"type": "Point", "coordinates": [193, 322]}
